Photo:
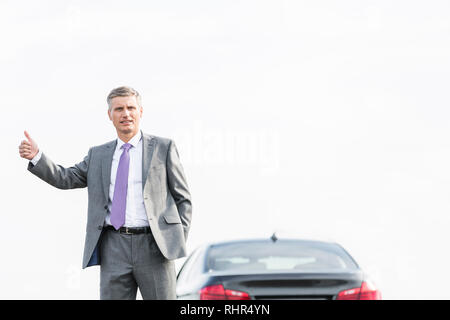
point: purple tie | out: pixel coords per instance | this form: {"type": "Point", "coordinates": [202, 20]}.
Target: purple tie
{"type": "Point", "coordinates": [119, 202]}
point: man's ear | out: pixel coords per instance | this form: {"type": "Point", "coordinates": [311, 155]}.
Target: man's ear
{"type": "Point", "coordinates": [109, 114]}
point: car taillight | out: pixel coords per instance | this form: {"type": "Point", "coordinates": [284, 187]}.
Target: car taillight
{"type": "Point", "coordinates": [367, 291]}
{"type": "Point", "coordinates": [218, 292]}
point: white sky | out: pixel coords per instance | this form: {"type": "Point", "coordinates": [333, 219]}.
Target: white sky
{"type": "Point", "coordinates": [316, 119]}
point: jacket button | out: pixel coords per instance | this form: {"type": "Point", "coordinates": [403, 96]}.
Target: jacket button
{"type": "Point", "coordinates": [100, 227]}
{"type": "Point", "coordinates": [106, 207]}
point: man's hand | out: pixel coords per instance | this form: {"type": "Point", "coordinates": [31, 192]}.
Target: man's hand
{"type": "Point", "coordinates": [28, 148]}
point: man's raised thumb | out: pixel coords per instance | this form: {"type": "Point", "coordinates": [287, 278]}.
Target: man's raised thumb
{"type": "Point", "coordinates": [28, 136]}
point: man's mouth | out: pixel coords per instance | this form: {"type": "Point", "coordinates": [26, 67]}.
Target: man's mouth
{"type": "Point", "coordinates": [126, 122]}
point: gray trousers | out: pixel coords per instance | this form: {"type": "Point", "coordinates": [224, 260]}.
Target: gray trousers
{"type": "Point", "coordinates": [129, 262]}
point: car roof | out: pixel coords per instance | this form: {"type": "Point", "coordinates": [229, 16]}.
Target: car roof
{"type": "Point", "coordinates": [206, 247]}
{"type": "Point", "coordinates": [269, 240]}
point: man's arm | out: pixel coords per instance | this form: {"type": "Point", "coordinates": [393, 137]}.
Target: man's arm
{"type": "Point", "coordinates": [178, 187]}
{"type": "Point", "coordinates": [36, 158]}
{"type": "Point", "coordinates": [60, 177]}
{"type": "Point", "coordinates": [44, 168]}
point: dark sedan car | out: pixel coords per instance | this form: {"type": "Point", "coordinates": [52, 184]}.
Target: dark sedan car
{"type": "Point", "coordinates": [273, 269]}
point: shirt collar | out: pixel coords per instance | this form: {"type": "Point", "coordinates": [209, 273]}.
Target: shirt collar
{"type": "Point", "coordinates": [134, 141]}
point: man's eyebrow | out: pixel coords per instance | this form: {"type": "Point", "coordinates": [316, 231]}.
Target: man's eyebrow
{"type": "Point", "coordinates": [121, 107]}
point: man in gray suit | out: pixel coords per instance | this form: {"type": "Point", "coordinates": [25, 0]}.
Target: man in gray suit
{"type": "Point", "coordinates": [139, 208]}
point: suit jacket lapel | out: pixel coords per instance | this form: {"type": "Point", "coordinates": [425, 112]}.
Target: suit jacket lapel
{"type": "Point", "coordinates": [106, 166]}
{"type": "Point", "coordinates": [148, 144]}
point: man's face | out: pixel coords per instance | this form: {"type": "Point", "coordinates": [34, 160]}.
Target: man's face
{"type": "Point", "coordinates": [125, 113]}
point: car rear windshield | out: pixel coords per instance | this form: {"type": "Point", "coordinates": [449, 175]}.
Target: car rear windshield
{"type": "Point", "coordinates": [279, 256]}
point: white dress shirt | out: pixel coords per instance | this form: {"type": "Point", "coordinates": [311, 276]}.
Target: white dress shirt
{"type": "Point", "coordinates": [135, 215]}
{"type": "Point", "coordinates": [36, 158]}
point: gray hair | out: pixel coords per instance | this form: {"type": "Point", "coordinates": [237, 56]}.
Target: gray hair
{"type": "Point", "coordinates": [123, 91]}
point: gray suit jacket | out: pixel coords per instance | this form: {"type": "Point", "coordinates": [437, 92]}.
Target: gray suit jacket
{"type": "Point", "coordinates": [166, 196]}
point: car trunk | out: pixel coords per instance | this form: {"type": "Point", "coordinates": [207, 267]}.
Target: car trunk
{"type": "Point", "coordinates": [297, 286]}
